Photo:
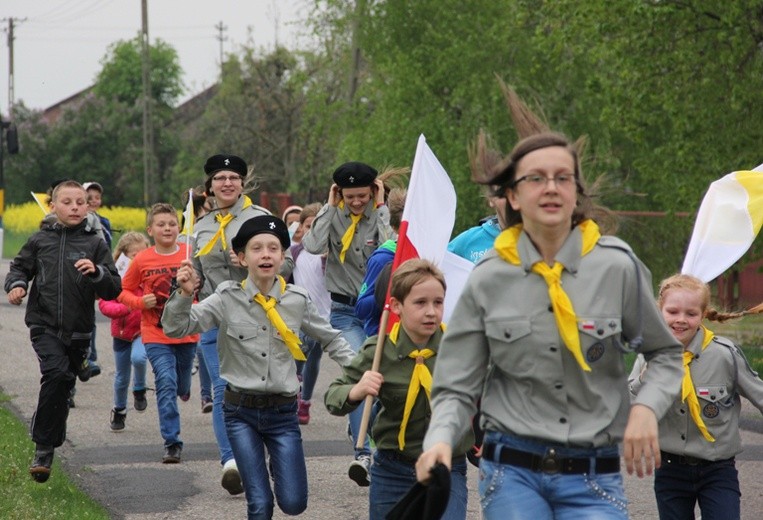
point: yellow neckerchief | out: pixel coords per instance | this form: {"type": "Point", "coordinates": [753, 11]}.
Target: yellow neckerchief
{"type": "Point", "coordinates": [220, 235]}
{"type": "Point", "coordinates": [268, 303]}
{"type": "Point", "coordinates": [688, 395]}
{"type": "Point", "coordinates": [421, 377]}
{"type": "Point", "coordinates": [347, 237]}
{"type": "Point", "coordinates": [566, 320]}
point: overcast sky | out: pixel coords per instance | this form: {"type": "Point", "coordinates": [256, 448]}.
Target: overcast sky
{"type": "Point", "coordinates": [59, 44]}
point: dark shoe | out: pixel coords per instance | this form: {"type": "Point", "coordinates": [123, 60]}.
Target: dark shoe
{"type": "Point", "coordinates": [70, 402]}
{"type": "Point", "coordinates": [185, 397]}
{"type": "Point", "coordinates": [95, 370]}
{"type": "Point", "coordinates": [206, 405]}
{"type": "Point", "coordinates": [118, 419]}
{"type": "Point", "coordinates": [139, 400]}
{"type": "Point", "coordinates": [231, 480]}
{"type": "Point", "coordinates": [172, 454]}
{"type": "Point", "coordinates": [359, 470]}
{"type": "Point", "coordinates": [43, 460]}
{"type": "Point", "coordinates": [85, 371]}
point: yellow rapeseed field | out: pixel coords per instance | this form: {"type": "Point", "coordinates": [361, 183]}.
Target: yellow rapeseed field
{"type": "Point", "coordinates": [25, 218]}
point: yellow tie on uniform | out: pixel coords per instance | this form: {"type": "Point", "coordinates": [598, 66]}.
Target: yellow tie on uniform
{"type": "Point", "coordinates": [689, 395]}
{"type": "Point", "coordinates": [564, 313]}
{"type": "Point", "coordinates": [220, 235]}
{"type": "Point", "coordinates": [421, 377]}
{"type": "Point", "coordinates": [347, 237]}
{"type": "Point", "coordinates": [269, 305]}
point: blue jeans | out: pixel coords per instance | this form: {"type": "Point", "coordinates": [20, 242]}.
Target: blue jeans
{"type": "Point", "coordinates": [92, 355]}
{"type": "Point", "coordinates": [128, 355]}
{"type": "Point", "coordinates": [343, 318]}
{"type": "Point", "coordinates": [172, 366]}
{"type": "Point", "coordinates": [511, 493]}
{"type": "Point", "coordinates": [678, 487]}
{"type": "Point", "coordinates": [208, 345]}
{"type": "Point", "coordinates": [205, 382]}
{"type": "Point", "coordinates": [250, 431]}
{"type": "Point", "coordinates": [310, 368]}
{"type": "Point", "coordinates": [391, 478]}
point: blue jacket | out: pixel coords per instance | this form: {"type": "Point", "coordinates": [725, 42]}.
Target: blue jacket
{"type": "Point", "coordinates": [473, 243]}
{"type": "Point", "coordinates": [366, 307]}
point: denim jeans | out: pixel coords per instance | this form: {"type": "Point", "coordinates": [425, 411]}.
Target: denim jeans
{"type": "Point", "coordinates": [276, 428]}
{"type": "Point", "coordinates": [391, 478]}
{"type": "Point", "coordinates": [343, 318]}
{"type": "Point", "coordinates": [205, 382]}
{"type": "Point", "coordinates": [310, 368]}
{"type": "Point", "coordinates": [128, 355]}
{"type": "Point", "coordinates": [510, 492]}
{"type": "Point", "coordinates": [208, 345]}
{"type": "Point", "coordinates": [678, 487]}
{"type": "Point", "coordinates": [172, 366]}
{"type": "Point", "coordinates": [92, 354]}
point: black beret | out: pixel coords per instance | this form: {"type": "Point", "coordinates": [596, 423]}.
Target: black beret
{"type": "Point", "coordinates": [425, 502]}
{"type": "Point", "coordinates": [226, 162]}
{"type": "Point", "coordinates": [354, 175]}
{"type": "Point", "coordinates": [261, 224]}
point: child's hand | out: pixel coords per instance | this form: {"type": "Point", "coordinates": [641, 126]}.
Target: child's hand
{"type": "Point", "coordinates": [16, 295]}
{"type": "Point", "coordinates": [85, 266]}
{"type": "Point", "coordinates": [186, 277]}
{"type": "Point", "coordinates": [369, 384]}
{"type": "Point", "coordinates": [641, 447]}
{"type": "Point", "coordinates": [379, 189]}
{"type": "Point", "coordinates": [149, 300]}
{"type": "Point", "coordinates": [234, 258]}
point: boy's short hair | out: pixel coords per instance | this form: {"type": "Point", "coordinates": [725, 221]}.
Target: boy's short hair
{"type": "Point", "coordinates": [65, 184]}
{"type": "Point", "coordinates": [411, 272]}
{"type": "Point", "coordinates": [159, 208]}
{"type": "Point", "coordinates": [311, 210]}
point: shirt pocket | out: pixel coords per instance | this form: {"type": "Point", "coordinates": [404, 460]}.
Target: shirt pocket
{"type": "Point", "coordinates": [600, 338]}
{"type": "Point", "coordinates": [507, 339]}
{"type": "Point", "coordinates": [714, 405]}
{"type": "Point", "coordinates": [242, 337]}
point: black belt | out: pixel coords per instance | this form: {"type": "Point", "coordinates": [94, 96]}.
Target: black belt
{"type": "Point", "coordinates": [257, 400]}
{"type": "Point", "coordinates": [399, 456]}
{"type": "Point", "coordinates": [551, 462]}
{"type": "Point", "coordinates": [341, 298]}
{"type": "Point", "coordinates": [686, 460]}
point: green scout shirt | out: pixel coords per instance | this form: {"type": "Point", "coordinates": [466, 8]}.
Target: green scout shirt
{"type": "Point", "coordinates": [326, 234]}
{"type": "Point", "coordinates": [720, 374]}
{"type": "Point", "coordinates": [397, 369]}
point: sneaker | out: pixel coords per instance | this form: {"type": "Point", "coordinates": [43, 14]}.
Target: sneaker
{"type": "Point", "coordinates": [231, 480]}
{"type": "Point", "coordinates": [85, 371]}
{"type": "Point", "coordinates": [43, 460]}
{"type": "Point", "coordinates": [359, 470]}
{"type": "Point", "coordinates": [303, 412]}
{"type": "Point", "coordinates": [70, 399]}
{"type": "Point", "coordinates": [185, 397]}
{"type": "Point", "coordinates": [172, 454]}
{"type": "Point", "coordinates": [139, 400]}
{"type": "Point", "coordinates": [118, 419]}
{"type": "Point", "coordinates": [206, 405]}
{"type": "Point", "coordinates": [95, 370]}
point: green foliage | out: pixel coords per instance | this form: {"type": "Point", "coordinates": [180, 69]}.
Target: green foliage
{"type": "Point", "coordinates": [21, 497]}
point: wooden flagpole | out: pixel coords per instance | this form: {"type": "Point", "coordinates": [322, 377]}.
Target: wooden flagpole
{"type": "Point", "coordinates": [369, 400]}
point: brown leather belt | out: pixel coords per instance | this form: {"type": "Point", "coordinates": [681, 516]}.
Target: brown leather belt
{"type": "Point", "coordinates": [257, 400]}
{"type": "Point", "coordinates": [551, 462]}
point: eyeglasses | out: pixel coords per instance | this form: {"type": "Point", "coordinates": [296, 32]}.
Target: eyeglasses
{"type": "Point", "coordinates": [222, 178]}
{"type": "Point", "coordinates": [563, 180]}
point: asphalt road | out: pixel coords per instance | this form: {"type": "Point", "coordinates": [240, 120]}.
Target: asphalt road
{"type": "Point", "coordinates": [123, 471]}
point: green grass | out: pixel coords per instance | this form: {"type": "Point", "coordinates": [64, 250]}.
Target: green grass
{"type": "Point", "coordinates": [21, 498]}
{"type": "Point", "coordinates": [12, 243]}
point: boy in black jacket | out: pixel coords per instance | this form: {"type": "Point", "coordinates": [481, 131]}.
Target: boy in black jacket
{"type": "Point", "coordinates": [70, 266]}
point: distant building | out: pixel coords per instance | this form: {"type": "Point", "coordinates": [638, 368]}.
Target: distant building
{"type": "Point", "coordinates": [54, 112]}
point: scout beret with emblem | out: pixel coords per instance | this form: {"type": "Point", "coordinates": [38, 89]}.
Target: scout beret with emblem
{"type": "Point", "coordinates": [354, 175]}
{"type": "Point", "coordinates": [226, 162]}
{"type": "Point", "coordinates": [261, 224]}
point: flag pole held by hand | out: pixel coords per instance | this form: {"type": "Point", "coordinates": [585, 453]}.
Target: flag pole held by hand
{"type": "Point", "coordinates": [369, 400]}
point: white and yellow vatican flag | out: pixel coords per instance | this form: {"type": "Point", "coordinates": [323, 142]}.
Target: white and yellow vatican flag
{"type": "Point", "coordinates": [729, 218]}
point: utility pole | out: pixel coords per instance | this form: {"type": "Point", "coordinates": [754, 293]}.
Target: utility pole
{"type": "Point", "coordinates": [220, 31]}
{"type": "Point", "coordinates": [11, 83]}
{"type": "Point", "coordinates": [148, 138]}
